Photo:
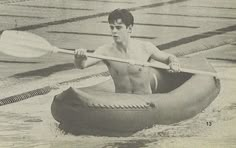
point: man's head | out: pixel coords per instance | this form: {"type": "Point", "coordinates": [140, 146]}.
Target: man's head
{"type": "Point", "coordinates": [121, 22]}
{"type": "Point", "coordinates": [124, 15]}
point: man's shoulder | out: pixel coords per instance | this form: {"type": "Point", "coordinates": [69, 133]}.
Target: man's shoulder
{"type": "Point", "coordinates": [141, 42]}
{"type": "Point", "coordinates": [146, 46]}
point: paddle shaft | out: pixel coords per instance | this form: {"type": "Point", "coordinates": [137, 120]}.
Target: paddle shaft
{"type": "Point", "coordinates": [132, 62]}
{"type": "Point", "coordinates": [26, 44]}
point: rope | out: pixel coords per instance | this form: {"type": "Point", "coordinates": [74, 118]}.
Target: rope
{"type": "Point", "coordinates": [26, 95]}
{"type": "Point", "coordinates": [45, 90]}
{"type": "Point", "coordinates": [136, 107]}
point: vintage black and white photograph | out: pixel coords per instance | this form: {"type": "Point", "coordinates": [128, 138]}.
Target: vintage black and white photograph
{"type": "Point", "coordinates": [117, 73]}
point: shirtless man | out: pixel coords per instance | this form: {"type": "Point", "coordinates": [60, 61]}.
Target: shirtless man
{"type": "Point", "coordinates": [127, 78]}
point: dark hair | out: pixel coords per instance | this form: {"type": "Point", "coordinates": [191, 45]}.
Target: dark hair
{"type": "Point", "coordinates": [123, 14]}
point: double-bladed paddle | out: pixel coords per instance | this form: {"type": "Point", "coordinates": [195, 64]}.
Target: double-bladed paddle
{"type": "Point", "coordinates": [25, 44]}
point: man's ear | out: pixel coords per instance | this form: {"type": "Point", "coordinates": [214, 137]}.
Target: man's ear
{"type": "Point", "coordinates": [130, 28]}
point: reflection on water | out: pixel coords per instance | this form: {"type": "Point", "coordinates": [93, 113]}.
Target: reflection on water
{"type": "Point", "coordinates": [29, 124]}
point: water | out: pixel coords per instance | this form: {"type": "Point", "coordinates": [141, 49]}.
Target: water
{"type": "Point", "coordinates": [29, 124]}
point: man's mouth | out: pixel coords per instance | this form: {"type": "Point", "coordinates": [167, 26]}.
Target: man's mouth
{"type": "Point", "coordinates": [114, 36]}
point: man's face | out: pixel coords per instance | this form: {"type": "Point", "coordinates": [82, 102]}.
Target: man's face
{"type": "Point", "coordinates": [119, 31]}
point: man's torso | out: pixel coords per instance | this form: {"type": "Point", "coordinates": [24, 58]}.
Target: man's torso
{"type": "Point", "coordinates": [129, 78]}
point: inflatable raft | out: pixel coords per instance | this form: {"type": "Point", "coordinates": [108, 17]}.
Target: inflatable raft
{"type": "Point", "coordinates": [99, 110]}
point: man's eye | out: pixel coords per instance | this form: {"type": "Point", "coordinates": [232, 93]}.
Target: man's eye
{"type": "Point", "coordinates": [118, 27]}
{"type": "Point", "coordinates": [112, 27]}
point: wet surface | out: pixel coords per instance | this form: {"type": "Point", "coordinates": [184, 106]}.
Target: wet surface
{"type": "Point", "coordinates": [176, 25]}
{"type": "Point", "coordinates": [29, 124]}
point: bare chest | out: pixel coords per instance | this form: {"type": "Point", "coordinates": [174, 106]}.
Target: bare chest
{"type": "Point", "coordinates": [119, 69]}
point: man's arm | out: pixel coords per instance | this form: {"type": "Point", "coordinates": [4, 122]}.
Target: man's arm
{"type": "Point", "coordinates": [81, 61]}
{"type": "Point", "coordinates": [158, 55]}
{"type": "Point", "coordinates": [163, 57]}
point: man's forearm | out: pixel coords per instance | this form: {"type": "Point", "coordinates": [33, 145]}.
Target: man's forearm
{"type": "Point", "coordinates": [80, 64]}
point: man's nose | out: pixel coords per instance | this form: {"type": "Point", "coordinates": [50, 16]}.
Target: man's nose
{"type": "Point", "coordinates": [114, 30]}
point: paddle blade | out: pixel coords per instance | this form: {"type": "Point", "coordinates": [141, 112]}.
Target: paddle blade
{"type": "Point", "coordinates": [23, 44]}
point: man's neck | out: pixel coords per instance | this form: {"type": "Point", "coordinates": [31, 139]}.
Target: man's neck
{"type": "Point", "coordinates": [123, 46]}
